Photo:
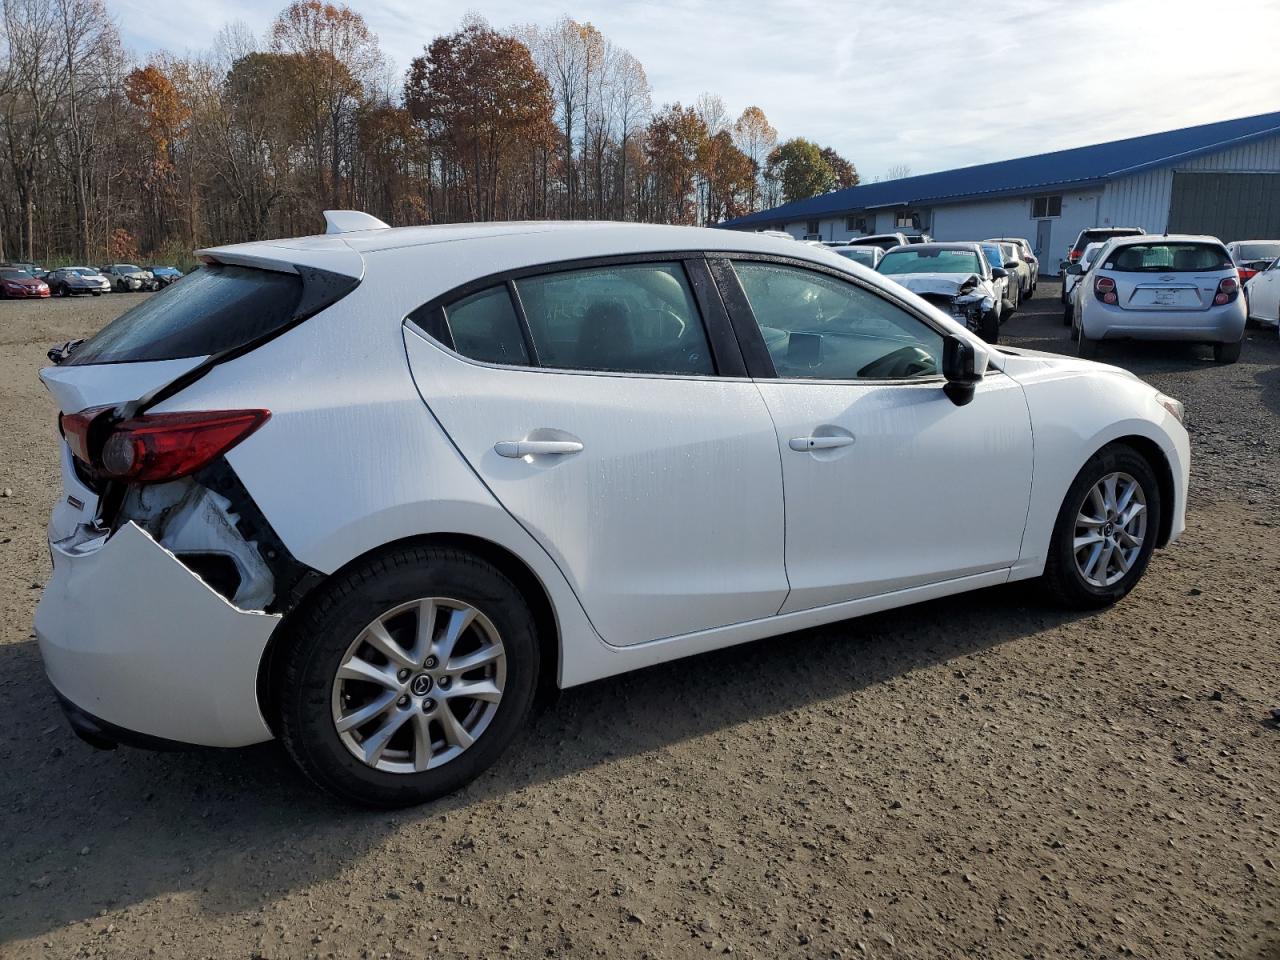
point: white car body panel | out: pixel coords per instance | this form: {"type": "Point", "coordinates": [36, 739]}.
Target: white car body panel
{"type": "Point", "coordinates": [131, 635]}
{"type": "Point", "coordinates": [857, 515]}
{"type": "Point", "coordinates": [352, 459]}
{"type": "Point", "coordinates": [669, 521]}
{"type": "Point", "coordinates": [1263, 298]}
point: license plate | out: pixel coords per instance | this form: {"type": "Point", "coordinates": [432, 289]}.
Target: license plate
{"type": "Point", "coordinates": [1165, 297]}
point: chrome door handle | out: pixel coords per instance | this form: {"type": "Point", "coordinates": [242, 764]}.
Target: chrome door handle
{"type": "Point", "coordinates": [516, 449]}
{"type": "Point", "coordinates": [805, 444]}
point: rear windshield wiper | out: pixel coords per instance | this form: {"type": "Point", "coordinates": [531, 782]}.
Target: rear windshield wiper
{"type": "Point", "coordinates": [60, 353]}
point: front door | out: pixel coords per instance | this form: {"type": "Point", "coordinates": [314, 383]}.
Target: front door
{"type": "Point", "coordinates": [889, 484]}
{"type": "Point", "coordinates": [605, 429]}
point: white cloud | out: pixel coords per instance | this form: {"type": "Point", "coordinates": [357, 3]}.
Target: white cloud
{"type": "Point", "coordinates": [885, 82]}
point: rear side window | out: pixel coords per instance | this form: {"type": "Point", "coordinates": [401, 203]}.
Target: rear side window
{"type": "Point", "coordinates": [1168, 258]}
{"type": "Point", "coordinates": [214, 309]}
{"type": "Point", "coordinates": [632, 318]}
{"type": "Point", "coordinates": [484, 327]}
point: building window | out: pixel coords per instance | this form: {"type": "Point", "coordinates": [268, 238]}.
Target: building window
{"type": "Point", "coordinates": [855, 224]}
{"type": "Point", "coordinates": [1043, 207]}
{"type": "Point", "coordinates": [811, 226]}
{"type": "Point", "coordinates": [907, 219]}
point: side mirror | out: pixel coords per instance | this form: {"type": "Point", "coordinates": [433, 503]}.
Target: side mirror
{"type": "Point", "coordinates": [1011, 265]}
{"type": "Point", "coordinates": [999, 273]}
{"type": "Point", "coordinates": [962, 367]}
{"type": "Point", "coordinates": [1074, 269]}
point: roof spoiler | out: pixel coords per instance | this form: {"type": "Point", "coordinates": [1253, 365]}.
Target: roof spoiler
{"type": "Point", "coordinates": [349, 221]}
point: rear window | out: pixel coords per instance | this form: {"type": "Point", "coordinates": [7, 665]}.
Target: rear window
{"type": "Point", "coordinates": [1246, 252]}
{"type": "Point", "coordinates": [214, 309]}
{"type": "Point", "coordinates": [1168, 258]}
{"type": "Point", "coordinates": [1095, 236]}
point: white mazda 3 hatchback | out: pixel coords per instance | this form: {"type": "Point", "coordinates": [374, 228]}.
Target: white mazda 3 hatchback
{"type": "Point", "coordinates": [369, 492]}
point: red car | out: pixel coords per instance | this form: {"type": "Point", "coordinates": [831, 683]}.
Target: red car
{"type": "Point", "coordinates": [16, 284]}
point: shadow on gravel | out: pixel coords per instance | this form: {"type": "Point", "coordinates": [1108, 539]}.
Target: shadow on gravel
{"type": "Point", "coordinates": [84, 830]}
{"type": "Point", "coordinates": [1269, 381]}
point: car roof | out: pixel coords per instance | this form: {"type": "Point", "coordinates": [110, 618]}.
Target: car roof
{"type": "Point", "coordinates": [1163, 238]}
{"type": "Point", "coordinates": [552, 241]}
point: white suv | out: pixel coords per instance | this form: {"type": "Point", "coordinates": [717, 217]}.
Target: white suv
{"type": "Point", "coordinates": [369, 492]}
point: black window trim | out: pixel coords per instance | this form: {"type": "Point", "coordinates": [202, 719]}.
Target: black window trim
{"type": "Point", "coordinates": [759, 361]}
{"type": "Point", "coordinates": [431, 318]}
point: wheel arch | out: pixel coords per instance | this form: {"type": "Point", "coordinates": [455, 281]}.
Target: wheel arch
{"type": "Point", "coordinates": [546, 624]}
{"type": "Point", "coordinates": [1150, 451]}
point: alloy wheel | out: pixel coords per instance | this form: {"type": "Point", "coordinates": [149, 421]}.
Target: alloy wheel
{"type": "Point", "coordinates": [1111, 525]}
{"type": "Point", "coordinates": [419, 685]}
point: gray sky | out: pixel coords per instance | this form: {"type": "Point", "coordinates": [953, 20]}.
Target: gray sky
{"type": "Point", "coordinates": [933, 85]}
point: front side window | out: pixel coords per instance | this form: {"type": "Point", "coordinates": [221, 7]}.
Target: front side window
{"type": "Point", "coordinates": [930, 260]}
{"type": "Point", "coordinates": [819, 327]}
{"type": "Point", "coordinates": [633, 318]}
{"type": "Point", "coordinates": [1168, 258]}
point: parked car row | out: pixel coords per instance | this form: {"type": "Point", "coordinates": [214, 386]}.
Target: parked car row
{"type": "Point", "coordinates": [26, 280]}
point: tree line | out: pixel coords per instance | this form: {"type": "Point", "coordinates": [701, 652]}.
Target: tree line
{"type": "Point", "coordinates": [108, 158]}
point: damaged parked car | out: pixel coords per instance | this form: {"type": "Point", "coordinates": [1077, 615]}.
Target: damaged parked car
{"type": "Point", "coordinates": [371, 492]}
{"type": "Point", "coordinates": [956, 278]}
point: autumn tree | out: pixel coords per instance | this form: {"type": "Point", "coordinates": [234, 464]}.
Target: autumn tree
{"type": "Point", "coordinates": [728, 176]}
{"type": "Point", "coordinates": [674, 144]}
{"type": "Point", "coordinates": [484, 106]}
{"type": "Point", "coordinates": [800, 170]}
{"type": "Point", "coordinates": [755, 136]}
{"type": "Point", "coordinates": [339, 54]}
{"type": "Point", "coordinates": [846, 175]}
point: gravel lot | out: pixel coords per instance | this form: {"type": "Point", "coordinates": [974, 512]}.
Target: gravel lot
{"type": "Point", "coordinates": [980, 777]}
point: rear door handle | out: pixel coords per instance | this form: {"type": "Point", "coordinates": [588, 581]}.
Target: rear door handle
{"type": "Point", "coordinates": [516, 449]}
{"type": "Point", "coordinates": [805, 444]}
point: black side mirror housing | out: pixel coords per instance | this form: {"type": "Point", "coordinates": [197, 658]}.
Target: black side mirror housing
{"type": "Point", "coordinates": [1011, 265]}
{"type": "Point", "coordinates": [960, 367]}
{"type": "Point", "coordinates": [999, 273]}
{"type": "Point", "coordinates": [1074, 269]}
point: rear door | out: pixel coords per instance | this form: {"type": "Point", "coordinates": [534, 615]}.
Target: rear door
{"type": "Point", "coordinates": [607, 409]}
{"type": "Point", "coordinates": [889, 485]}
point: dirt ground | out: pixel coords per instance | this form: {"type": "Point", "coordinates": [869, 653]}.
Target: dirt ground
{"type": "Point", "coordinates": [979, 777]}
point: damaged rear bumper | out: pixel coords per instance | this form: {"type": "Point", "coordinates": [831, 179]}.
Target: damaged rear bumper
{"type": "Point", "coordinates": [138, 646]}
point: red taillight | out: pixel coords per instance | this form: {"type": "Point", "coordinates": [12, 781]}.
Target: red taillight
{"type": "Point", "coordinates": [1228, 290]}
{"type": "Point", "coordinates": [156, 447]}
{"type": "Point", "coordinates": [1074, 255]}
{"type": "Point", "coordinates": [1246, 274]}
{"type": "Point", "coordinates": [1104, 288]}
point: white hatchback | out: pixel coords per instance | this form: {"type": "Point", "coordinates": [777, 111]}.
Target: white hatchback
{"type": "Point", "coordinates": [369, 492]}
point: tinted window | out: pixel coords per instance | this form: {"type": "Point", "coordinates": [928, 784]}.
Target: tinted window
{"type": "Point", "coordinates": [930, 260]}
{"type": "Point", "coordinates": [819, 327]}
{"type": "Point", "coordinates": [484, 327]}
{"type": "Point", "coordinates": [216, 308]}
{"type": "Point", "coordinates": [1257, 251]}
{"type": "Point", "coordinates": [863, 255]}
{"type": "Point", "coordinates": [1167, 258]}
{"type": "Point", "coordinates": [638, 318]}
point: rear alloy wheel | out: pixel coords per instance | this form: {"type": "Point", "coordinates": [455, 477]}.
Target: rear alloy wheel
{"type": "Point", "coordinates": [407, 676]}
{"type": "Point", "coordinates": [1106, 530]}
{"type": "Point", "coordinates": [1227, 352]}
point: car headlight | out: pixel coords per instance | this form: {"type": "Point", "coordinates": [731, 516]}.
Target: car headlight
{"type": "Point", "coordinates": [1175, 407]}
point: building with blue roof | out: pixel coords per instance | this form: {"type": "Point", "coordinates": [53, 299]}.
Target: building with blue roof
{"type": "Point", "coordinates": [1221, 179]}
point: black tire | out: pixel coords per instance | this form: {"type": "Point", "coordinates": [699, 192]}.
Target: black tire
{"type": "Point", "coordinates": [989, 327]}
{"type": "Point", "coordinates": [1085, 347]}
{"type": "Point", "coordinates": [1227, 352]}
{"type": "Point", "coordinates": [319, 635]}
{"type": "Point", "coordinates": [1068, 316]}
{"type": "Point", "coordinates": [1062, 580]}
{"type": "Point", "coordinates": [96, 293]}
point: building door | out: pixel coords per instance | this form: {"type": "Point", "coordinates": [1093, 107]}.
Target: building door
{"type": "Point", "coordinates": [1229, 206]}
{"type": "Point", "coordinates": [1044, 231]}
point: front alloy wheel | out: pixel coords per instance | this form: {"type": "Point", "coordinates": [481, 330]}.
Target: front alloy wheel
{"type": "Point", "coordinates": [1111, 526]}
{"type": "Point", "coordinates": [1106, 530]}
{"type": "Point", "coordinates": [419, 685]}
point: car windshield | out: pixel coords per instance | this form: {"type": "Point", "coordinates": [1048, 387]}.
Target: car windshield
{"type": "Point", "coordinates": [1175, 257]}
{"type": "Point", "coordinates": [1096, 236]}
{"type": "Point", "coordinates": [10, 273]}
{"type": "Point", "coordinates": [82, 271]}
{"type": "Point", "coordinates": [993, 254]}
{"type": "Point", "coordinates": [865, 255]}
{"type": "Point", "coordinates": [1258, 251]}
{"type": "Point", "coordinates": [930, 260]}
